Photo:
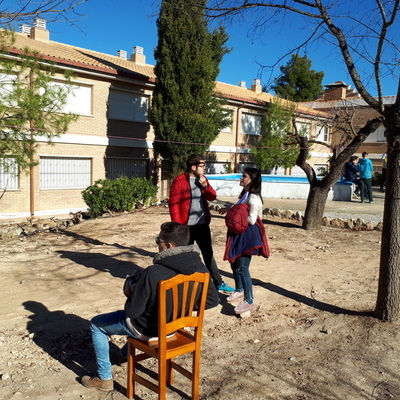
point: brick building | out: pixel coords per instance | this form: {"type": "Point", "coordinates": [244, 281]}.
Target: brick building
{"type": "Point", "coordinates": [338, 97]}
{"type": "Point", "coordinates": [113, 137]}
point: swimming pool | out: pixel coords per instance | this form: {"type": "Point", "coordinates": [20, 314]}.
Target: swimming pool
{"type": "Point", "coordinates": [277, 187]}
{"type": "Point", "coordinates": [265, 178]}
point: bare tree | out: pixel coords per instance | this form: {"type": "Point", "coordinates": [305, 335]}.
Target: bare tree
{"type": "Point", "coordinates": [26, 10]}
{"type": "Point", "coordinates": [319, 188]}
{"type": "Point", "coordinates": [365, 34]}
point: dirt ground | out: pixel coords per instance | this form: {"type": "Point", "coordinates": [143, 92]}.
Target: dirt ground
{"type": "Point", "coordinates": [312, 336]}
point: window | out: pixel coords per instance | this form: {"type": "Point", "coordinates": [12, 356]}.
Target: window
{"type": "Point", "coordinates": [129, 167]}
{"type": "Point", "coordinates": [321, 169]}
{"type": "Point", "coordinates": [9, 172]}
{"type": "Point", "coordinates": [127, 106]}
{"type": "Point", "coordinates": [219, 167]}
{"type": "Point", "coordinates": [241, 167]}
{"type": "Point", "coordinates": [229, 128]}
{"type": "Point", "coordinates": [303, 129]}
{"type": "Point", "coordinates": [79, 98]}
{"type": "Point", "coordinates": [65, 172]}
{"type": "Point", "coordinates": [322, 133]}
{"type": "Point", "coordinates": [251, 124]}
{"type": "Point", "coordinates": [7, 83]}
{"type": "Point", "coordinates": [377, 136]}
{"type": "Point", "coordinates": [380, 134]}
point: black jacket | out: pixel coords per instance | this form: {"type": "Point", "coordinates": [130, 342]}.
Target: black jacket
{"type": "Point", "coordinates": [350, 172]}
{"type": "Point", "coordinates": [141, 307]}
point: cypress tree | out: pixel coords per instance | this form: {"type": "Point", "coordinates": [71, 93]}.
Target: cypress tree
{"type": "Point", "coordinates": [186, 113]}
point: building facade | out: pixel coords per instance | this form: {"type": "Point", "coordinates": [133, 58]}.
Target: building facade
{"type": "Point", "coordinates": [112, 136]}
{"type": "Point", "coordinates": [338, 98]}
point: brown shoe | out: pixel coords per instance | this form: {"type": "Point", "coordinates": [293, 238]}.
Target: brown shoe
{"type": "Point", "coordinates": [97, 383]}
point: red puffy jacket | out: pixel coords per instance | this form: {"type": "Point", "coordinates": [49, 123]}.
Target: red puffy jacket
{"type": "Point", "coordinates": [180, 197]}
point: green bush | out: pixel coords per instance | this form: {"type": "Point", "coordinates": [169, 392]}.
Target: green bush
{"type": "Point", "coordinates": [121, 194]}
{"type": "Point", "coordinates": [376, 179]}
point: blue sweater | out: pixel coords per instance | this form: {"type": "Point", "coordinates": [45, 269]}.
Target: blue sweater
{"type": "Point", "coordinates": [365, 168]}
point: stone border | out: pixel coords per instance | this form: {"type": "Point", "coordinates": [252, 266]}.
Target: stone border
{"type": "Point", "coordinates": [354, 224]}
{"type": "Point", "coordinates": [32, 226]}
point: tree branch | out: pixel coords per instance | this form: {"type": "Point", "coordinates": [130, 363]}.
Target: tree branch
{"type": "Point", "coordinates": [217, 12]}
{"type": "Point", "coordinates": [29, 9]}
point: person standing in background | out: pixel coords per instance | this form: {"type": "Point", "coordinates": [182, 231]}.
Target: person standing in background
{"type": "Point", "coordinates": [365, 169]}
{"type": "Point", "coordinates": [188, 204]}
{"type": "Point", "coordinates": [383, 176]}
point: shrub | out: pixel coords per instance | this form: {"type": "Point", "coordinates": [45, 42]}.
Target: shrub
{"type": "Point", "coordinates": [121, 194]}
{"type": "Point", "coordinates": [376, 179]}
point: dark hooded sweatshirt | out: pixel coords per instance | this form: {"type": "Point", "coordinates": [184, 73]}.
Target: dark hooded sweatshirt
{"type": "Point", "coordinates": [141, 307]}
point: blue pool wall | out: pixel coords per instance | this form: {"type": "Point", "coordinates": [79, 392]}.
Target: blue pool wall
{"type": "Point", "coordinates": [277, 187]}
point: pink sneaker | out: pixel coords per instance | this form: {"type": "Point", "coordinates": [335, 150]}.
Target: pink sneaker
{"type": "Point", "coordinates": [235, 296]}
{"type": "Point", "coordinates": [243, 307]}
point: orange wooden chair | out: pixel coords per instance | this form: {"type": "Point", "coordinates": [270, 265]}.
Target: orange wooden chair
{"type": "Point", "coordinates": [188, 294]}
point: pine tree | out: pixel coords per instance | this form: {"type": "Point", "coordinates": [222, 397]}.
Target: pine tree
{"type": "Point", "coordinates": [30, 106]}
{"type": "Point", "coordinates": [298, 81]}
{"type": "Point", "coordinates": [276, 147]}
{"type": "Point", "coordinates": [186, 114]}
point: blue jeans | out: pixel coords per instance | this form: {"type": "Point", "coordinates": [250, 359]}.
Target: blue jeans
{"type": "Point", "coordinates": [101, 327]}
{"type": "Point", "coordinates": [241, 274]}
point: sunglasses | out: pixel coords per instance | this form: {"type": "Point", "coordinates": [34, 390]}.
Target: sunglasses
{"type": "Point", "coordinates": [158, 240]}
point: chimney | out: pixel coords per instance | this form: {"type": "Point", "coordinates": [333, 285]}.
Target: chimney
{"type": "Point", "coordinates": [138, 57]}
{"type": "Point", "coordinates": [122, 54]}
{"type": "Point", "coordinates": [25, 29]}
{"type": "Point", "coordinates": [337, 91]}
{"type": "Point", "coordinates": [256, 86]}
{"type": "Point", "coordinates": [39, 31]}
{"type": "Point", "coordinates": [242, 84]}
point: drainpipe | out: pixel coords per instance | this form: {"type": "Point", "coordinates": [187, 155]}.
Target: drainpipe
{"type": "Point", "coordinates": [31, 160]}
{"type": "Point", "coordinates": [235, 163]}
{"type": "Point", "coordinates": [31, 176]}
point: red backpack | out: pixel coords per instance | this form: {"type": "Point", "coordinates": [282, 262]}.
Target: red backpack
{"type": "Point", "coordinates": [236, 218]}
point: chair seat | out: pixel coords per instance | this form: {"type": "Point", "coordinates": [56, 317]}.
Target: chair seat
{"type": "Point", "coordinates": [181, 342]}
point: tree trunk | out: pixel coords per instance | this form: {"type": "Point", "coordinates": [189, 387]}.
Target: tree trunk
{"type": "Point", "coordinates": [315, 206]}
{"type": "Point", "coordinates": [319, 189]}
{"type": "Point", "coordinates": [388, 300]}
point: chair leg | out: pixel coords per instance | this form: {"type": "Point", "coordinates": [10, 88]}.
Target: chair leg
{"type": "Point", "coordinates": [196, 375]}
{"type": "Point", "coordinates": [130, 391]}
{"type": "Point", "coordinates": [170, 373]}
{"type": "Point", "coordinates": [162, 378]}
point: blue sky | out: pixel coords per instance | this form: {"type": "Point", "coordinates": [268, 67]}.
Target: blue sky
{"type": "Point", "coordinates": [112, 25]}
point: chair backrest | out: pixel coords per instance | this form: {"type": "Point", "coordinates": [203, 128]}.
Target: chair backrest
{"type": "Point", "coordinates": [181, 303]}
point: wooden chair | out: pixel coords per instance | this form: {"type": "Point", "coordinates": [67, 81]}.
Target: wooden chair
{"type": "Point", "coordinates": [188, 294]}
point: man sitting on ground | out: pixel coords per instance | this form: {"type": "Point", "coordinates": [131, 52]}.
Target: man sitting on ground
{"type": "Point", "coordinates": [140, 317]}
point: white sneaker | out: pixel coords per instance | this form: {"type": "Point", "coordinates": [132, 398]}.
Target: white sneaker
{"type": "Point", "coordinates": [235, 296]}
{"type": "Point", "coordinates": [243, 307]}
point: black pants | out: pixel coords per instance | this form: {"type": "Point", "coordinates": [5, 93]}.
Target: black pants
{"type": "Point", "coordinates": [201, 234]}
{"type": "Point", "coordinates": [357, 182]}
{"type": "Point", "coordinates": [366, 189]}
{"type": "Point", "coordinates": [383, 179]}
